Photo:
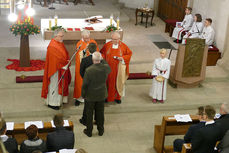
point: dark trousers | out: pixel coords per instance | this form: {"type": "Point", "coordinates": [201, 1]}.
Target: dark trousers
{"type": "Point", "coordinates": [84, 117]}
{"type": "Point", "coordinates": [98, 106]}
{"type": "Point", "coordinates": [177, 145]}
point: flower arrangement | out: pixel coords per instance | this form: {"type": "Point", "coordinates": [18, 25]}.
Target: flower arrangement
{"type": "Point", "coordinates": [57, 27]}
{"type": "Point", "coordinates": [24, 28]}
{"type": "Point", "coordinates": [110, 28]}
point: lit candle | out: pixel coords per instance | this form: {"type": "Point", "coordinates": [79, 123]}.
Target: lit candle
{"type": "Point", "coordinates": [50, 24]}
{"type": "Point", "coordinates": [29, 19]}
{"type": "Point", "coordinates": [111, 19]}
{"type": "Point", "coordinates": [55, 17]}
{"type": "Point", "coordinates": [118, 21]}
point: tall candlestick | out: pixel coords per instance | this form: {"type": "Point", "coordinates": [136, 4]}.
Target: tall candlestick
{"type": "Point", "coordinates": [55, 17]}
{"type": "Point", "coordinates": [118, 21]}
{"type": "Point", "coordinates": [50, 24]}
{"type": "Point", "coordinates": [111, 19]}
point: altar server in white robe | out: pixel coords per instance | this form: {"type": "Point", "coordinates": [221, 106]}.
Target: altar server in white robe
{"type": "Point", "coordinates": [196, 29]}
{"type": "Point", "coordinates": [185, 25]}
{"type": "Point", "coordinates": [160, 72]}
{"type": "Point", "coordinates": [208, 32]}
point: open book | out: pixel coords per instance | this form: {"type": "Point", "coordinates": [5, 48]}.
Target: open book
{"type": "Point", "coordinates": [178, 24]}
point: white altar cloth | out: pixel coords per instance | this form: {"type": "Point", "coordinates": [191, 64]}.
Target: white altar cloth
{"type": "Point", "coordinates": [76, 23]}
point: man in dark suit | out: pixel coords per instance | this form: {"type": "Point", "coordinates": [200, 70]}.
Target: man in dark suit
{"type": "Point", "coordinates": [223, 121]}
{"type": "Point", "coordinates": [94, 91]}
{"type": "Point", "coordinates": [61, 138]}
{"type": "Point", "coordinates": [205, 139]}
{"type": "Point", "coordinates": [10, 143]}
{"type": "Point", "coordinates": [85, 63]}
{"type": "Point", "coordinates": [178, 143]}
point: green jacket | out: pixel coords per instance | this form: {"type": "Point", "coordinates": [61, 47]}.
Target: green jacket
{"type": "Point", "coordinates": [94, 82]}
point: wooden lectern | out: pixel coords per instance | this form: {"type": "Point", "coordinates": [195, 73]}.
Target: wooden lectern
{"type": "Point", "coordinates": [190, 67]}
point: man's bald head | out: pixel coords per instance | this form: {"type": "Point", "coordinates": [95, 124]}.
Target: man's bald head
{"type": "Point", "coordinates": [96, 57]}
{"type": "Point", "coordinates": [115, 36]}
{"type": "Point", "coordinates": [224, 108]}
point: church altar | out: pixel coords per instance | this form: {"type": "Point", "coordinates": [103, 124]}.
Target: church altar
{"type": "Point", "coordinates": [73, 36]}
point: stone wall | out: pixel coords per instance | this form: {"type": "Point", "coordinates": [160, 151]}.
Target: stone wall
{"type": "Point", "coordinates": [224, 62]}
{"type": "Point", "coordinates": [137, 3]}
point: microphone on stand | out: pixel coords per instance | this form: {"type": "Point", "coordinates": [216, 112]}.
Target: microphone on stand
{"type": "Point", "coordinates": [66, 69]}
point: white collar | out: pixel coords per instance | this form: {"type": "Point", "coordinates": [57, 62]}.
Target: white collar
{"type": "Point", "coordinates": [115, 46]}
{"type": "Point", "coordinates": [4, 138]}
{"type": "Point", "coordinates": [209, 122]}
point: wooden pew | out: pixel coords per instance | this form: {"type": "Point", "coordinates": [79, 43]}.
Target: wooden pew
{"type": "Point", "coordinates": [213, 56]}
{"type": "Point", "coordinates": [19, 131]}
{"type": "Point", "coordinates": [168, 127]}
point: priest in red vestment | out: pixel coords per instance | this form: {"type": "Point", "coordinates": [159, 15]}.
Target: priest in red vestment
{"type": "Point", "coordinates": [56, 63]}
{"type": "Point", "coordinates": [115, 52]}
{"type": "Point", "coordinates": [81, 53]}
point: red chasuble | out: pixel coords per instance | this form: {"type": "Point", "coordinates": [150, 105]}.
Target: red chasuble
{"type": "Point", "coordinates": [79, 55]}
{"type": "Point", "coordinates": [56, 58]}
{"type": "Point", "coordinates": [108, 54]}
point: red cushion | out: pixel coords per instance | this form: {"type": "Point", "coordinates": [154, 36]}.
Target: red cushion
{"type": "Point", "coordinates": [77, 29]}
{"type": "Point", "coordinates": [171, 22]}
{"type": "Point", "coordinates": [89, 28]}
{"type": "Point", "coordinates": [70, 29]}
{"type": "Point", "coordinates": [214, 49]}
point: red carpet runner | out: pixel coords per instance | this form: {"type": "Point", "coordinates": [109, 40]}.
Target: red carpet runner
{"type": "Point", "coordinates": [35, 65]}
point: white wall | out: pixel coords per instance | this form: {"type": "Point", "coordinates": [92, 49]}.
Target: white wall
{"type": "Point", "coordinates": [137, 3]}
{"type": "Point", "coordinates": [219, 12]}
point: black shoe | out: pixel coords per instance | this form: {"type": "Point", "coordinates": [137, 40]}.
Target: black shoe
{"type": "Point", "coordinates": [85, 132]}
{"type": "Point", "coordinates": [82, 122]}
{"type": "Point", "coordinates": [101, 133]}
{"type": "Point", "coordinates": [106, 101]}
{"type": "Point", "coordinates": [118, 101]}
{"type": "Point", "coordinates": [179, 41]}
{"type": "Point", "coordinates": [54, 107]}
{"type": "Point", "coordinates": [175, 40]}
{"type": "Point", "coordinates": [77, 102]}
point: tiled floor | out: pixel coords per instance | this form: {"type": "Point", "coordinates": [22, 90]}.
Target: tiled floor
{"type": "Point", "coordinates": [129, 127]}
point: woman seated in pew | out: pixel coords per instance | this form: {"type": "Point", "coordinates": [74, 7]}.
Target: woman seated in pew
{"type": "Point", "coordinates": [34, 142]}
{"type": "Point", "coordinates": [178, 143]}
{"type": "Point", "coordinates": [196, 29]}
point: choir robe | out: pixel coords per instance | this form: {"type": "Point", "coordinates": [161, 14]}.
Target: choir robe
{"type": "Point", "coordinates": [56, 59]}
{"type": "Point", "coordinates": [161, 67]}
{"type": "Point", "coordinates": [195, 31]}
{"type": "Point", "coordinates": [186, 25]}
{"type": "Point", "coordinates": [108, 52]}
{"type": "Point", "coordinates": [208, 34]}
{"type": "Point", "coordinates": [79, 55]}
